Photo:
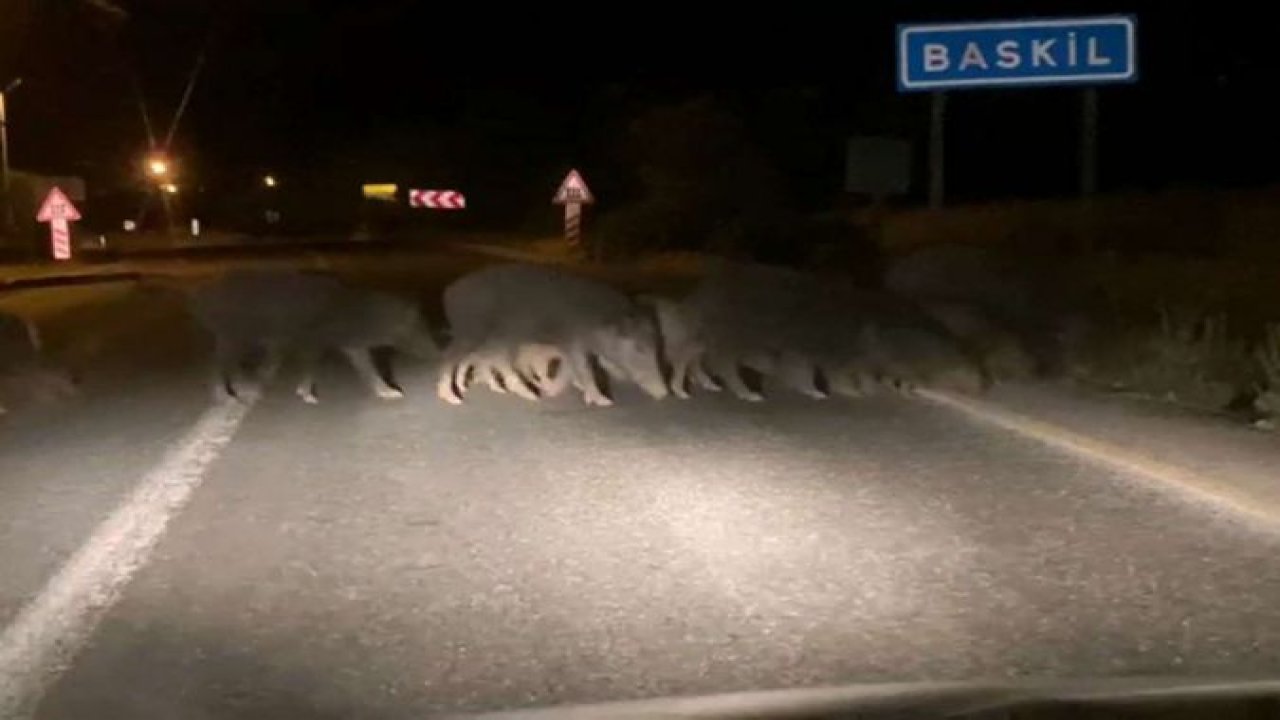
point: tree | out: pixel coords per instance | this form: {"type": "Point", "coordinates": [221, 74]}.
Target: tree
{"type": "Point", "coordinates": [703, 183]}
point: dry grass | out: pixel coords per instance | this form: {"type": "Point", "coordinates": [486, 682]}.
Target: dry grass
{"type": "Point", "coordinates": [1187, 357]}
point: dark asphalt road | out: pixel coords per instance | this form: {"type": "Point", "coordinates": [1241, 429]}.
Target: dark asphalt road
{"type": "Point", "coordinates": [365, 558]}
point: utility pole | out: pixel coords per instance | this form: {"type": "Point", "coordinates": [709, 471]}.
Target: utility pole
{"type": "Point", "coordinates": [6, 213]}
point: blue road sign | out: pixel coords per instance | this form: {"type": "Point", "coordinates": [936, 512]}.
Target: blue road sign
{"type": "Point", "coordinates": [1079, 51]}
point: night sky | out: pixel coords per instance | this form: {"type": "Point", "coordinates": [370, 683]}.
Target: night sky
{"type": "Point", "coordinates": [337, 92]}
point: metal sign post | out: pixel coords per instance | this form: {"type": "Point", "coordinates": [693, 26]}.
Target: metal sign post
{"type": "Point", "coordinates": [937, 147]}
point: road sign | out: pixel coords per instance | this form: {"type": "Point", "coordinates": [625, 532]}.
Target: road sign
{"type": "Point", "coordinates": [1080, 51]}
{"type": "Point", "coordinates": [380, 191]}
{"type": "Point", "coordinates": [573, 190]}
{"type": "Point", "coordinates": [58, 211]}
{"type": "Point", "coordinates": [56, 206]}
{"type": "Point", "coordinates": [437, 199]}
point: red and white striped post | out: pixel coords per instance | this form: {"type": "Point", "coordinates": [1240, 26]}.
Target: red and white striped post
{"type": "Point", "coordinates": [573, 194]}
{"type": "Point", "coordinates": [573, 223]}
{"type": "Point", "coordinates": [60, 233]}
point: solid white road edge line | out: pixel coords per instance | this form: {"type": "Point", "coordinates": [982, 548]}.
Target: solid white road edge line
{"type": "Point", "coordinates": [50, 630]}
{"type": "Point", "coordinates": [1220, 492]}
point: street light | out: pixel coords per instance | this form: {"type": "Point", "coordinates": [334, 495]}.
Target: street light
{"type": "Point", "coordinates": [7, 216]}
{"type": "Point", "coordinates": [158, 166]}
{"type": "Point", "coordinates": [169, 188]}
{"type": "Point", "coordinates": [269, 181]}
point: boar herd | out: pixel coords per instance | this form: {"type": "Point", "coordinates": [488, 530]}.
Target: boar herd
{"type": "Point", "coordinates": [535, 331]}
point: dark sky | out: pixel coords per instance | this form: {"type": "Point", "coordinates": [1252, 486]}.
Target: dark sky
{"type": "Point", "coordinates": [306, 88]}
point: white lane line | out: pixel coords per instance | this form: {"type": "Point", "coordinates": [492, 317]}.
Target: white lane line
{"type": "Point", "coordinates": [43, 640]}
{"type": "Point", "coordinates": [1219, 491]}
